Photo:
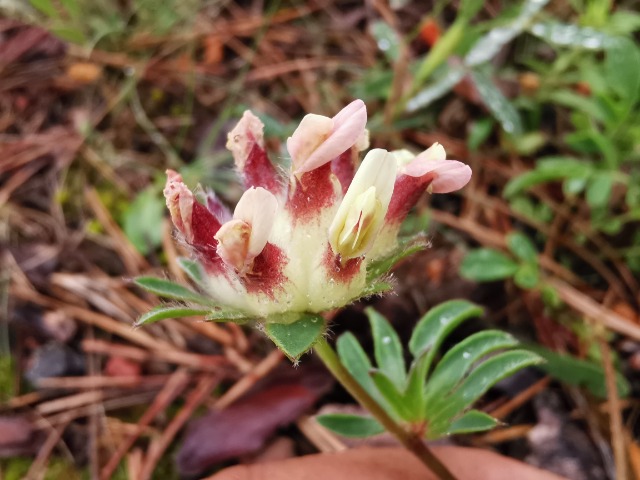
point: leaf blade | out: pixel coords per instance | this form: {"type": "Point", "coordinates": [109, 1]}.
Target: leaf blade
{"type": "Point", "coordinates": [354, 426]}
{"type": "Point", "coordinates": [387, 348]}
{"type": "Point", "coordinates": [472, 422]}
{"type": "Point", "coordinates": [487, 265]}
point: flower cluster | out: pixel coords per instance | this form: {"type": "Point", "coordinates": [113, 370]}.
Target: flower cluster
{"type": "Point", "coordinates": [303, 241]}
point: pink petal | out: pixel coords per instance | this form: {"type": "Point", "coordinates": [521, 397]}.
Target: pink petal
{"type": "Point", "coordinates": [192, 219]}
{"type": "Point", "coordinates": [247, 133]}
{"type": "Point", "coordinates": [450, 176]}
{"type": "Point", "coordinates": [246, 144]}
{"type": "Point", "coordinates": [347, 127]}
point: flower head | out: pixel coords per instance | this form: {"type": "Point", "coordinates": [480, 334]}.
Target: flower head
{"type": "Point", "coordinates": [308, 240]}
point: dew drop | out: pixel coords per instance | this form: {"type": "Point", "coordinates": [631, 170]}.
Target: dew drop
{"type": "Point", "coordinates": [384, 44]}
{"type": "Point", "coordinates": [466, 355]}
{"type": "Point", "coordinates": [386, 340]}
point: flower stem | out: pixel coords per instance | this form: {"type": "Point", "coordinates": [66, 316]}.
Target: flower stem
{"type": "Point", "coordinates": [410, 440]}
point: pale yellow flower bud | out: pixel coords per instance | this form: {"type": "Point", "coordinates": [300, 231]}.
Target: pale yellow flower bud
{"type": "Point", "coordinates": [362, 211]}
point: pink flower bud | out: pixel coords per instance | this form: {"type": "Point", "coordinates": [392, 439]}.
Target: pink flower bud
{"type": "Point", "coordinates": [243, 238]}
{"type": "Point", "coordinates": [318, 139]}
{"type": "Point", "coordinates": [192, 219]}
{"type": "Point", "coordinates": [445, 176]}
{"type": "Point", "coordinates": [428, 171]}
{"type": "Point", "coordinates": [246, 143]}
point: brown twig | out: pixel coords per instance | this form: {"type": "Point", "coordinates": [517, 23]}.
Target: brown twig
{"type": "Point", "coordinates": [38, 467]}
{"type": "Point", "coordinates": [207, 363]}
{"type": "Point", "coordinates": [193, 401]}
{"type": "Point", "coordinates": [520, 399]}
{"type": "Point", "coordinates": [592, 309]}
{"type": "Point", "coordinates": [247, 381]}
{"type": "Point", "coordinates": [174, 387]}
{"type": "Point", "coordinates": [615, 411]}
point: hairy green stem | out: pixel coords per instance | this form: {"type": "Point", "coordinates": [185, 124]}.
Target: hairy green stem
{"type": "Point", "coordinates": [410, 440]}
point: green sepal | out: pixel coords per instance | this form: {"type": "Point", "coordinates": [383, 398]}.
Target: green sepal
{"type": "Point", "coordinates": [192, 268]}
{"type": "Point", "coordinates": [406, 248]}
{"type": "Point", "coordinates": [226, 315]}
{"type": "Point", "coordinates": [168, 289]}
{"type": "Point", "coordinates": [164, 312]}
{"type": "Point", "coordinates": [294, 339]}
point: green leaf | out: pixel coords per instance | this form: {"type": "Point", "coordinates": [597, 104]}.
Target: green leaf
{"type": "Point", "coordinates": [457, 362]}
{"type": "Point", "coordinates": [527, 276]}
{"type": "Point", "coordinates": [575, 371]}
{"type": "Point", "coordinates": [142, 220]}
{"type": "Point", "coordinates": [439, 53]}
{"type": "Point", "coordinates": [587, 105]}
{"type": "Point", "coordinates": [436, 89]}
{"type": "Point", "coordinates": [70, 34]}
{"type": "Point", "coordinates": [435, 326]}
{"type": "Point", "coordinates": [168, 289]}
{"type": "Point", "coordinates": [481, 379]}
{"type": "Point", "coordinates": [569, 35]}
{"type": "Point", "coordinates": [192, 268]}
{"type": "Point", "coordinates": [387, 348]}
{"type": "Point", "coordinates": [406, 248]}
{"type": "Point", "coordinates": [387, 40]}
{"type": "Point", "coordinates": [391, 394]}
{"type": "Point", "coordinates": [162, 313]}
{"type": "Point", "coordinates": [489, 45]}
{"type": "Point", "coordinates": [487, 265]}
{"type": "Point", "coordinates": [622, 68]}
{"type": "Point", "coordinates": [355, 360]}
{"type": "Point", "coordinates": [72, 7]}
{"type": "Point", "coordinates": [45, 6]}
{"type": "Point", "coordinates": [624, 22]}
{"type": "Point", "coordinates": [480, 131]}
{"type": "Point", "coordinates": [599, 190]}
{"type": "Point", "coordinates": [548, 169]}
{"type": "Point", "coordinates": [471, 422]}
{"type": "Point", "coordinates": [353, 426]}
{"type": "Point", "coordinates": [296, 338]}
{"type": "Point", "coordinates": [414, 394]}
{"type": "Point", "coordinates": [501, 108]}
{"type": "Point", "coordinates": [522, 247]}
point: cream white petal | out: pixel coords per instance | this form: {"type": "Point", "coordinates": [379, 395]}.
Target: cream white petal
{"type": "Point", "coordinates": [257, 207]}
